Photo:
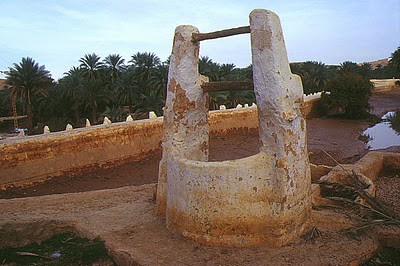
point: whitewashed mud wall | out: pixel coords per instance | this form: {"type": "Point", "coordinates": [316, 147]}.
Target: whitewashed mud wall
{"type": "Point", "coordinates": [33, 158]}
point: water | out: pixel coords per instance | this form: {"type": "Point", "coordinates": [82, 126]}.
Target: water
{"type": "Point", "coordinates": [385, 133]}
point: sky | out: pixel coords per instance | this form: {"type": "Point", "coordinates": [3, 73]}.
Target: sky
{"type": "Point", "coordinates": [58, 33]}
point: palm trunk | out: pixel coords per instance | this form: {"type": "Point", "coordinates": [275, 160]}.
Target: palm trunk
{"type": "Point", "coordinates": [77, 117]}
{"type": "Point", "coordinates": [94, 113]}
{"type": "Point", "coordinates": [29, 118]}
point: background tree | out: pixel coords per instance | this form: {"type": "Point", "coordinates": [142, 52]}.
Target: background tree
{"type": "Point", "coordinates": [365, 70]}
{"type": "Point", "coordinates": [348, 67]}
{"type": "Point", "coordinates": [114, 65]}
{"type": "Point", "coordinates": [349, 95]}
{"type": "Point", "coordinates": [143, 65]}
{"type": "Point", "coordinates": [69, 87]}
{"type": "Point", "coordinates": [209, 69]}
{"type": "Point", "coordinates": [126, 90]}
{"type": "Point", "coordinates": [91, 66]}
{"type": "Point", "coordinates": [394, 121]}
{"type": "Point", "coordinates": [313, 75]}
{"type": "Point", "coordinates": [27, 80]}
{"type": "Point", "coordinates": [395, 59]}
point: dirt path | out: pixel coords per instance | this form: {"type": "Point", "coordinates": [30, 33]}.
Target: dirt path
{"type": "Point", "coordinates": [340, 138]}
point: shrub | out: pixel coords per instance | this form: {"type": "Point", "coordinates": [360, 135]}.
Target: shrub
{"type": "Point", "coordinates": [349, 95]}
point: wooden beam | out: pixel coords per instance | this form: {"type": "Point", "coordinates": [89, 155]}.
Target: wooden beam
{"type": "Point", "coordinates": [228, 86]}
{"type": "Point", "coordinates": [12, 117]}
{"type": "Point", "coordinates": [196, 37]}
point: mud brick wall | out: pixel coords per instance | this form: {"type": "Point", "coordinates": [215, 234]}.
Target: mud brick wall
{"type": "Point", "coordinates": [35, 158]}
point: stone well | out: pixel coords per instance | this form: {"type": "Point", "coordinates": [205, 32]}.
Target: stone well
{"type": "Point", "coordinates": [262, 199]}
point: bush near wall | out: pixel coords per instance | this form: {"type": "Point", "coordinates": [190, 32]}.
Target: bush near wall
{"type": "Point", "coordinates": [348, 96]}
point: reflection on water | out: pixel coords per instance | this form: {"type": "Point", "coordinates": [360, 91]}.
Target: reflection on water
{"type": "Point", "coordinates": [394, 121]}
{"type": "Point", "coordinates": [385, 133]}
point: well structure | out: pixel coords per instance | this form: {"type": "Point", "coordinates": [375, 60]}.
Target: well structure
{"type": "Point", "coordinates": [261, 199]}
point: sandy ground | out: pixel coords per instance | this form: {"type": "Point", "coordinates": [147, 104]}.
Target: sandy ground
{"type": "Point", "coordinates": [340, 138]}
{"type": "Point", "coordinates": [124, 217]}
{"type": "Point", "coordinates": [337, 137]}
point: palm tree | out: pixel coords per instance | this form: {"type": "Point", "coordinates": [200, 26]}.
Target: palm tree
{"type": "Point", "coordinates": [226, 71]}
{"type": "Point", "coordinates": [145, 60]}
{"type": "Point", "coordinates": [114, 63]}
{"type": "Point", "coordinates": [92, 94]}
{"type": "Point", "coordinates": [5, 103]}
{"type": "Point", "coordinates": [208, 68]}
{"type": "Point", "coordinates": [70, 86]}
{"type": "Point", "coordinates": [158, 80]}
{"type": "Point", "coordinates": [395, 58]}
{"type": "Point", "coordinates": [91, 66]}
{"type": "Point", "coordinates": [55, 109]}
{"type": "Point", "coordinates": [365, 70]}
{"type": "Point", "coordinates": [144, 64]}
{"type": "Point", "coordinates": [26, 80]}
{"type": "Point", "coordinates": [313, 75]}
{"type": "Point", "coordinates": [113, 113]}
{"type": "Point", "coordinates": [151, 100]}
{"type": "Point", "coordinates": [318, 75]}
{"type": "Point", "coordinates": [126, 89]}
{"type": "Point", "coordinates": [348, 67]}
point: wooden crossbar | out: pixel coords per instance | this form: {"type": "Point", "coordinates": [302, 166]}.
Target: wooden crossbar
{"type": "Point", "coordinates": [12, 117]}
{"type": "Point", "coordinates": [196, 37]}
{"type": "Point", "coordinates": [228, 85]}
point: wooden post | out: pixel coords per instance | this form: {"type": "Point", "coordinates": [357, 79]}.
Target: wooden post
{"type": "Point", "coordinates": [196, 37]}
{"type": "Point", "coordinates": [228, 86]}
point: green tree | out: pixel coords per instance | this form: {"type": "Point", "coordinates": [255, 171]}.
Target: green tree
{"type": "Point", "coordinates": [395, 59]}
{"type": "Point", "coordinates": [365, 70]}
{"type": "Point", "coordinates": [113, 113]}
{"type": "Point", "coordinates": [159, 79]}
{"type": "Point", "coordinates": [209, 69]}
{"type": "Point", "coordinates": [394, 121]}
{"type": "Point", "coordinates": [114, 65]}
{"type": "Point", "coordinates": [349, 95]}
{"type": "Point", "coordinates": [70, 87]}
{"type": "Point", "coordinates": [91, 66]}
{"type": "Point", "coordinates": [54, 110]}
{"type": "Point", "coordinates": [126, 89]}
{"type": "Point", "coordinates": [378, 72]}
{"type": "Point", "coordinates": [313, 75]}
{"type": "Point", "coordinates": [150, 101]}
{"type": "Point", "coordinates": [92, 95]}
{"type": "Point", "coordinates": [151, 76]}
{"type": "Point", "coordinates": [27, 80]}
{"type": "Point", "coordinates": [143, 65]}
{"type": "Point", "coordinates": [227, 71]}
{"type": "Point", "coordinates": [348, 67]}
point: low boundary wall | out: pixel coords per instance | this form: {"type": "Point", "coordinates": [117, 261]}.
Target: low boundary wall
{"type": "Point", "coordinates": [35, 158]}
{"type": "Point", "coordinates": [384, 83]}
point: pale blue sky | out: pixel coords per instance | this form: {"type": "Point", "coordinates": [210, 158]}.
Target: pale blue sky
{"type": "Point", "coordinates": [57, 33]}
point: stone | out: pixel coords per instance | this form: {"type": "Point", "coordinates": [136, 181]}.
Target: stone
{"type": "Point", "coordinates": [68, 127]}
{"type": "Point", "coordinates": [46, 130]}
{"type": "Point", "coordinates": [87, 123]}
{"type": "Point", "coordinates": [152, 115]}
{"type": "Point", "coordinates": [239, 106]}
{"type": "Point", "coordinates": [222, 107]}
{"type": "Point", "coordinates": [107, 121]}
{"type": "Point", "coordinates": [21, 133]}
{"type": "Point", "coordinates": [129, 118]}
